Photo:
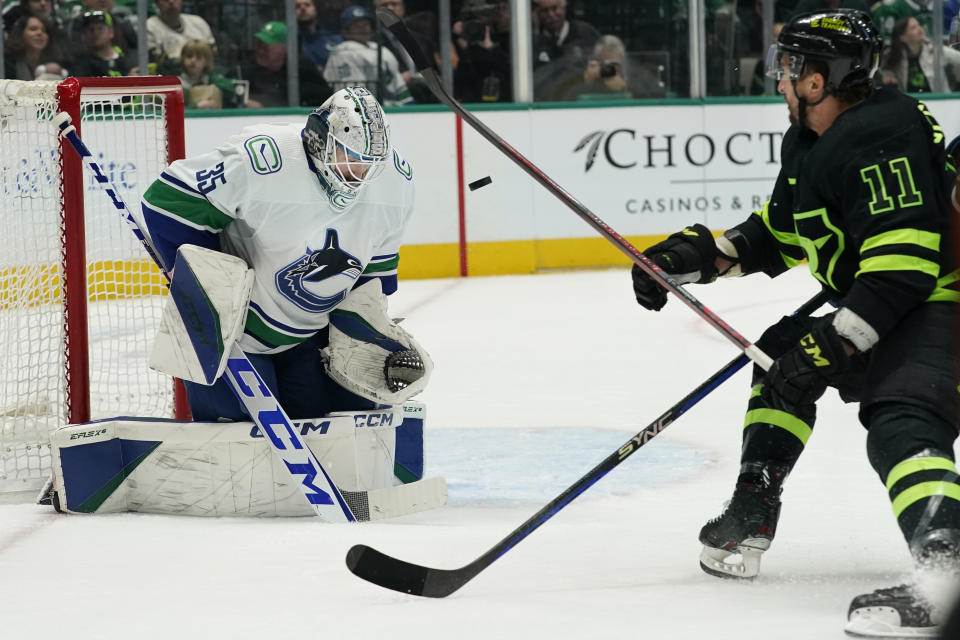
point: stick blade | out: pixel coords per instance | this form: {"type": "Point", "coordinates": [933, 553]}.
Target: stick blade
{"type": "Point", "coordinates": [390, 573]}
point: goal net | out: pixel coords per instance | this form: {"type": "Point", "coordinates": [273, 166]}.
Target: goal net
{"type": "Point", "coordinates": [80, 301]}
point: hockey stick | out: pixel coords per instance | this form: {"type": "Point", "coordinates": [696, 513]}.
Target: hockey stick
{"type": "Point", "coordinates": [406, 577]}
{"type": "Point", "coordinates": [244, 381]}
{"type": "Point", "coordinates": [402, 500]}
{"type": "Point", "coordinates": [664, 279]}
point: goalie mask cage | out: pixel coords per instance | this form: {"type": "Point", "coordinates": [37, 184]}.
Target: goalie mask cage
{"type": "Point", "coordinates": [80, 301]}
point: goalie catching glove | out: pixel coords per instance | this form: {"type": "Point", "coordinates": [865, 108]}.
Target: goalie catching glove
{"type": "Point", "coordinates": [688, 255]}
{"type": "Point", "coordinates": [369, 354]}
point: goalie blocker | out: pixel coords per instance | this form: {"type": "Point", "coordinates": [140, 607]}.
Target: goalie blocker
{"type": "Point", "coordinates": [227, 469]}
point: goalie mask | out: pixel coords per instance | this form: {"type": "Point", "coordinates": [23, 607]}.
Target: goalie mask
{"type": "Point", "coordinates": [347, 140]}
{"type": "Point", "coordinates": [845, 39]}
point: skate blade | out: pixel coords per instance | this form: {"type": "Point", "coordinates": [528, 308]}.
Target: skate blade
{"type": "Point", "coordinates": [884, 622]}
{"type": "Point", "coordinates": [723, 564]}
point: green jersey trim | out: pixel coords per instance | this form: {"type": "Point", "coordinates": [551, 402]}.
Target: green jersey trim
{"type": "Point", "coordinates": [925, 239]}
{"type": "Point", "coordinates": [195, 210]}
{"type": "Point", "coordinates": [898, 263]}
{"type": "Point", "coordinates": [263, 332]}
{"type": "Point", "coordinates": [379, 267]}
{"type": "Point", "coordinates": [783, 237]}
{"type": "Point", "coordinates": [942, 293]}
{"type": "Point", "coordinates": [812, 246]}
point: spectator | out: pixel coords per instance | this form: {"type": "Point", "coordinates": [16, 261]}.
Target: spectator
{"type": "Point", "coordinates": [315, 41]}
{"type": "Point", "coordinates": [34, 51]}
{"type": "Point", "coordinates": [558, 37]}
{"type": "Point", "coordinates": [758, 85]}
{"type": "Point", "coordinates": [202, 88]}
{"type": "Point", "coordinates": [170, 29]}
{"type": "Point", "coordinates": [806, 6]}
{"type": "Point", "coordinates": [266, 71]}
{"type": "Point", "coordinates": [426, 28]}
{"type": "Point", "coordinates": [408, 70]}
{"type": "Point", "coordinates": [124, 35]}
{"type": "Point", "coordinates": [42, 9]}
{"type": "Point", "coordinates": [560, 49]}
{"type": "Point", "coordinates": [99, 56]}
{"type": "Point", "coordinates": [482, 39]}
{"type": "Point", "coordinates": [328, 13]}
{"type": "Point", "coordinates": [909, 59]}
{"type": "Point", "coordinates": [885, 14]}
{"type": "Point", "coordinates": [353, 62]}
{"type": "Point", "coordinates": [750, 37]}
{"type": "Point", "coordinates": [950, 10]}
{"type": "Point", "coordinates": [609, 74]}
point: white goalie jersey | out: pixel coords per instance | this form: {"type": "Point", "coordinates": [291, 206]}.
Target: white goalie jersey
{"type": "Point", "coordinates": [258, 198]}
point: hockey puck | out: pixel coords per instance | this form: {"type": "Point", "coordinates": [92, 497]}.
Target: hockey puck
{"type": "Point", "coordinates": [482, 182]}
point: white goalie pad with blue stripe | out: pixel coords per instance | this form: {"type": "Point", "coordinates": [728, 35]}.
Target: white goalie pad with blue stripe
{"type": "Point", "coordinates": [204, 315]}
{"type": "Point", "coordinates": [227, 469]}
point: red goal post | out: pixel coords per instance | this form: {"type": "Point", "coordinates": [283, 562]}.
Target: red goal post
{"type": "Point", "coordinates": [79, 299]}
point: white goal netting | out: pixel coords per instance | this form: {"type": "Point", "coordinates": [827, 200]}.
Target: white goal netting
{"type": "Point", "coordinates": [41, 376]}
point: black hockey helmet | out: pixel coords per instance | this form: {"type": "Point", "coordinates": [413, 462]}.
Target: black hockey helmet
{"type": "Point", "coordinates": [845, 39]}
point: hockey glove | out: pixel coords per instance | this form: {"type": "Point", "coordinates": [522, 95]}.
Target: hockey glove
{"type": "Point", "coordinates": [687, 255]}
{"type": "Point", "coordinates": [800, 376]}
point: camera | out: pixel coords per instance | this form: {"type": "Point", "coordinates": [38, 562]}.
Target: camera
{"type": "Point", "coordinates": [475, 18]}
{"type": "Point", "coordinates": [473, 30]}
{"type": "Point", "coordinates": [609, 69]}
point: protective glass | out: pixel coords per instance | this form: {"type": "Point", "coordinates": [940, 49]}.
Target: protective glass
{"type": "Point", "coordinates": [776, 57]}
{"type": "Point", "coordinates": [955, 32]}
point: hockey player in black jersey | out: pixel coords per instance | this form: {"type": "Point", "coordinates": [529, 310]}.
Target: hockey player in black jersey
{"type": "Point", "coordinates": [863, 196]}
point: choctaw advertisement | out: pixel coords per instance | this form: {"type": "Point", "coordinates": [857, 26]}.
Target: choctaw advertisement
{"type": "Point", "coordinates": [644, 170]}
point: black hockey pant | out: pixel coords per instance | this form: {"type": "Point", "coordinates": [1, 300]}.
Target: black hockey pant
{"type": "Point", "coordinates": [909, 397]}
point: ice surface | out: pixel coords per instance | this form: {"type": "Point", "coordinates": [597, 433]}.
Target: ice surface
{"type": "Point", "coordinates": [537, 379]}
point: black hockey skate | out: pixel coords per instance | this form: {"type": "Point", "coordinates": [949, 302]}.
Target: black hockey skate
{"type": "Point", "coordinates": [895, 612]}
{"type": "Point", "coordinates": [747, 525]}
{"type": "Point", "coordinates": [912, 610]}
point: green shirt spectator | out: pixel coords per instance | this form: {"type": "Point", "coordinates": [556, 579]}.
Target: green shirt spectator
{"type": "Point", "coordinates": [886, 13]}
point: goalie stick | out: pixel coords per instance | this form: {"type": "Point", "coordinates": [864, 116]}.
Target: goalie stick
{"type": "Point", "coordinates": [392, 573]}
{"type": "Point", "coordinates": [401, 500]}
{"type": "Point", "coordinates": [399, 29]}
{"type": "Point", "coordinates": [244, 381]}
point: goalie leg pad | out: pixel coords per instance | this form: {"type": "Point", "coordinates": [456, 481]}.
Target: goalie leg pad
{"type": "Point", "coordinates": [408, 461]}
{"type": "Point", "coordinates": [227, 469]}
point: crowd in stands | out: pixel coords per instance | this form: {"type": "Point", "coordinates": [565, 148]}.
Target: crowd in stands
{"type": "Point", "coordinates": [906, 26]}
{"type": "Point", "coordinates": [607, 50]}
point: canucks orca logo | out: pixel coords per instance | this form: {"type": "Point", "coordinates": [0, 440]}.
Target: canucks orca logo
{"type": "Point", "coordinates": [317, 266]}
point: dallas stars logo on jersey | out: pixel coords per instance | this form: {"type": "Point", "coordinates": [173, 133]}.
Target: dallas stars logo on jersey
{"type": "Point", "coordinates": [316, 267]}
